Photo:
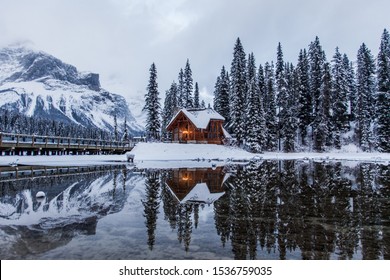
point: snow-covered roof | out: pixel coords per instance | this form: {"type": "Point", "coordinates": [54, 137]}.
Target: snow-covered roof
{"type": "Point", "coordinates": [200, 193]}
{"type": "Point", "coordinates": [199, 117]}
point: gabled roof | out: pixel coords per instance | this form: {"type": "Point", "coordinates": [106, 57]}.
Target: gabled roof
{"type": "Point", "coordinates": [199, 193]}
{"type": "Point", "coordinates": [199, 117]}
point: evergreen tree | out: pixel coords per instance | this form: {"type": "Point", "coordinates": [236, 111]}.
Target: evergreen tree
{"type": "Point", "coordinates": [322, 126]}
{"type": "Point", "coordinates": [339, 98]}
{"type": "Point", "coordinates": [255, 121]}
{"type": "Point", "coordinates": [203, 105]}
{"type": "Point", "coordinates": [196, 96]}
{"type": "Point", "coordinates": [238, 88]}
{"type": "Point", "coordinates": [281, 93]}
{"type": "Point", "coordinates": [181, 100]}
{"type": "Point", "coordinates": [152, 106]}
{"type": "Point", "coordinates": [383, 100]}
{"type": "Point", "coordinates": [365, 97]}
{"type": "Point", "coordinates": [217, 95]}
{"type": "Point", "coordinates": [305, 113]}
{"type": "Point", "coordinates": [125, 137]}
{"type": "Point", "coordinates": [188, 86]}
{"type": "Point", "coordinates": [115, 128]}
{"type": "Point", "coordinates": [221, 95]}
{"type": "Point", "coordinates": [170, 107]}
{"type": "Point", "coordinates": [289, 125]}
{"type": "Point", "coordinates": [270, 108]}
{"type": "Point", "coordinates": [317, 60]}
{"type": "Point", "coordinates": [351, 85]}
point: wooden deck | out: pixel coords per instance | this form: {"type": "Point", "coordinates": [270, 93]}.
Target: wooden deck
{"type": "Point", "coordinates": [20, 144]}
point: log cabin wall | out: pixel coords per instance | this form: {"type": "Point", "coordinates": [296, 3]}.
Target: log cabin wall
{"type": "Point", "coordinates": [184, 131]}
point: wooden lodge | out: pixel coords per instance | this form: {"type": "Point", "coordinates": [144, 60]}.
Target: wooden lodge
{"type": "Point", "coordinates": [197, 126]}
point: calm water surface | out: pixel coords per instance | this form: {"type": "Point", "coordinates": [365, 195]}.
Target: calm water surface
{"type": "Point", "coordinates": [261, 210]}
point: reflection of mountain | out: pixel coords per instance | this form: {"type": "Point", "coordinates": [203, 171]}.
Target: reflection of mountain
{"type": "Point", "coordinates": [72, 206]}
{"type": "Point", "coordinates": [196, 185]}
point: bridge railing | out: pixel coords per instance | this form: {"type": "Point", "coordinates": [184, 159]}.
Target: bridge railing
{"type": "Point", "coordinates": [39, 141]}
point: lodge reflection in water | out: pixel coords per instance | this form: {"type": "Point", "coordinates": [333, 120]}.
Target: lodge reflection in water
{"type": "Point", "coordinates": [196, 185]}
{"type": "Point", "coordinates": [287, 209]}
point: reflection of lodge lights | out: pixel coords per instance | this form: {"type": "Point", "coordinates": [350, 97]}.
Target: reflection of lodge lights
{"type": "Point", "coordinates": [185, 131]}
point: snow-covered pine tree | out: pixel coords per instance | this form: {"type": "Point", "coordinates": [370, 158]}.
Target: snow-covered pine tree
{"type": "Point", "coordinates": [238, 87]}
{"type": "Point", "coordinates": [170, 106]}
{"type": "Point", "coordinates": [223, 95]}
{"type": "Point", "coordinates": [290, 121]}
{"type": "Point", "coordinates": [383, 95]}
{"type": "Point", "coordinates": [262, 115]}
{"type": "Point", "coordinates": [305, 109]}
{"type": "Point", "coordinates": [255, 121]}
{"type": "Point", "coordinates": [339, 98]}
{"type": "Point", "coordinates": [217, 89]}
{"type": "Point", "coordinates": [196, 96]}
{"type": "Point", "coordinates": [203, 104]}
{"type": "Point", "coordinates": [115, 127]}
{"type": "Point", "coordinates": [365, 97]}
{"type": "Point", "coordinates": [125, 137]}
{"type": "Point", "coordinates": [317, 60]}
{"type": "Point", "coordinates": [281, 93]}
{"type": "Point", "coordinates": [351, 84]}
{"type": "Point", "coordinates": [181, 100]}
{"type": "Point", "coordinates": [188, 86]}
{"type": "Point", "coordinates": [152, 106]}
{"type": "Point", "coordinates": [270, 107]}
{"type": "Point", "coordinates": [322, 123]}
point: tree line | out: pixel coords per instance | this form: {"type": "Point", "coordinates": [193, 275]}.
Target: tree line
{"type": "Point", "coordinates": [315, 105]}
{"type": "Point", "coordinates": [14, 122]}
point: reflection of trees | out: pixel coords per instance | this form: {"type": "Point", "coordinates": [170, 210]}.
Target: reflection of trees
{"type": "Point", "coordinates": [151, 204]}
{"type": "Point", "coordinates": [321, 210]}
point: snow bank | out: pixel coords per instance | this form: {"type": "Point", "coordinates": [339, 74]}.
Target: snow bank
{"type": "Point", "coordinates": [173, 151]}
{"type": "Point", "coordinates": [191, 152]}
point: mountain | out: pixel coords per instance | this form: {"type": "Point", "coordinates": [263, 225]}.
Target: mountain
{"type": "Point", "coordinates": [37, 84]}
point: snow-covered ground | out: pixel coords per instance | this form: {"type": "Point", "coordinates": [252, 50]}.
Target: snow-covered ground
{"type": "Point", "coordinates": [79, 160]}
{"type": "Point", "coordinates": [176, 152]}
{"type": "Point", "coordinates": [164, 155]}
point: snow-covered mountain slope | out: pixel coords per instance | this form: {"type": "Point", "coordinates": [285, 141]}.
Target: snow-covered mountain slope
{"type": "Point", "coordinates": [40, 85]}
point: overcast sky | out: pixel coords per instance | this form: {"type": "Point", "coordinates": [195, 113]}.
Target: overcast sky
{"type": "Point", "coordinates": [119, 39]}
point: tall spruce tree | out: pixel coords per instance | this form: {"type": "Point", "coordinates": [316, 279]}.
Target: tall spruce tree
{"type": "Point", "coordinates": [255, 121]}
{"type": "Point", "coordinates": [339, 98]}
{"type": "Point", "coordinates": [238, 88]}
{"type": "Point", "coordinates": [170, 107]}
{"type": "Point", "coordinates": [281, 93]}
{"type": "Point", "coordinates": [322, 123]}
{"type": "Point", "coordinates": [181, 100]}
{"type": "Point", "coordinates": [383, 100]}
{"type": "Point", "coordinates": [317, 60]}
{"type": "Point", "coordinates": [270, 107]}
{"type": "Point", "coordinates": [290, 121]}
{"type": "Point", "coordinates": [152, 106]}
{"type": "Point", "coordinates": [351, 85]}
{"type": "Point", "coordinates": [188, 86]}
{"type": "Point", "coordinates": [221, 95]}
{"type": "Point", "coordinates": [365, 97]}
{"type": "Point", "coordinates": [305, 99]}
{"type": "Point", "coordinates": [196, 96]}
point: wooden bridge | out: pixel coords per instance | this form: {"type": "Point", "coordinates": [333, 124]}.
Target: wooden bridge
{"type": "Point", "coordinates": [22, 144]}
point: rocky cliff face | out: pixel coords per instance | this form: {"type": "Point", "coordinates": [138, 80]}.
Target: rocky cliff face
{"type": "Point", "coordinates": [39, 85]}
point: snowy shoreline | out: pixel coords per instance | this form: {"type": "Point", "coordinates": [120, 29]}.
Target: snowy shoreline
{"type": "Point", "coordinates": [195, 155]}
